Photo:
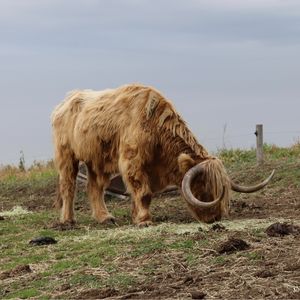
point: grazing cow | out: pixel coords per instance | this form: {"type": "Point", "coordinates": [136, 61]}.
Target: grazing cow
{"type": "Point", "coordinates": [135, 131]}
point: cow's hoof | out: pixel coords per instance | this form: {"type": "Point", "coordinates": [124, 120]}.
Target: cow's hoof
{"type": "Point", "coordinates": [68, 222]}
{"type": "Point", "coordinates": [109, 219]}
{"type": "Point", "coordinates": [145, 224]}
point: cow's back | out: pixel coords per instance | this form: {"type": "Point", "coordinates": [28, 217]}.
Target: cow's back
{"type": "Point", "coordinates": [86, 120]}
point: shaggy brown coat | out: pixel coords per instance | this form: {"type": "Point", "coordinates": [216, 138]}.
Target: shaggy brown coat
{"type": "Point", "coordinates": [135, 131]}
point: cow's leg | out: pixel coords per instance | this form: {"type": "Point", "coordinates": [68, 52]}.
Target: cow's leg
{"type": "Point", "coordinates": [138, 186]}
{"type": "Point", "coordinates": [140, 207]}
{"type": "Point", "coordinates": [137, 182]}
{"type": "Point", "coordinates": [67, 168]}
{"type": "Point", "coordinates": [96, 185]}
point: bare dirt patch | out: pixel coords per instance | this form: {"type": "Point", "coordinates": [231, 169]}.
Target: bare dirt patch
{"type": "Point", "coordinates": [97, 293]}
{"type": "Point", "coordinates": [63, 226]}
{"type": "Point", "coordinates": [17, 271]}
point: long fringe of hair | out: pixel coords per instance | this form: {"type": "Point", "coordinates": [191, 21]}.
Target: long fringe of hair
{"type": "Point", "coordinates": [215, 179]}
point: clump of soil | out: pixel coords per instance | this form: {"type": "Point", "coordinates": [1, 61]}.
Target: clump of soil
{"type": "Point", "coordinates": [64, 287]}
{"type": "Point", "coordinates": [292, 266]}
{"type": "Point", "coordinates": [232, 245]}
{"type": "Point", "coordinates": [264, 273]}
{"type": "Point", "coordinates": [2, 218]}
{"type": "Point", "coordinates": [43, 240]}
{"type": "Point", "coordinates": [97, 293]}
{"type": "Point", "coordinates": [281, 229]}
{"type": "Point", "coordinates": [218, 227]}
{"type": "Point", "coordinates": [17, 271]}
{"type": "Point", "coordinates": [63, 226]}
{"type": "Point", "coordinates": [198, 295]}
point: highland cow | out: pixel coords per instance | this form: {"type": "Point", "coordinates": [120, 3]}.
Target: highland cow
{"type": "Point", "coordinates": [135, 131]}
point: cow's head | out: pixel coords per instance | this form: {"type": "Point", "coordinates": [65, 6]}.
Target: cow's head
{"type": "Point", "coordinates": [206, 188]}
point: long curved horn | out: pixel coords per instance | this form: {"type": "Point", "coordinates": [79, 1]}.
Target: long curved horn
{"type": "Point", "coordinates": [250, 189]}
{"type": "Point", "coordinates": [187, 193]}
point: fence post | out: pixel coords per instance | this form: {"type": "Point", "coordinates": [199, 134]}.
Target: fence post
{"type": "Point", "coordinates": [259, 144]}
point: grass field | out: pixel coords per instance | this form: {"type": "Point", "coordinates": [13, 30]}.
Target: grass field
{"type": "Point", "coordinates": [176, 258]}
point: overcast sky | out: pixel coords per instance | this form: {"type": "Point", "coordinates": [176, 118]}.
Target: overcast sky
{"type": "Point", "coordinates": [226, 64]}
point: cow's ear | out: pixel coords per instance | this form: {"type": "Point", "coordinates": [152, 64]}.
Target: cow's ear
{"type": "Point", "coordinates": [185, 162]}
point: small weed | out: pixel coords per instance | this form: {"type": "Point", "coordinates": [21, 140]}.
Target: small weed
{"type": "Point", "coordinates": [147, 246]}
{"type": "Point", "coordinates": [191, 259]}
{"type": "Point", "coordinates": [92, 260]}
{"type": "Point", "coordinates": [219, 260]}
{"type": "Point", "coordinates": [41, 283]}
{"type": "Point", "coordinates": [62, 266]}
{"type": "Point", "coordinates": [121, 280]}
{"type": "Point", "coordinates": [237, 155]}
{"type": "Point", "coordinates": [149, 269]}
{"type": "Point", "coordinates": [253, 256]}
{"type": "Point", "coordinates": [87, 280]}
{"type": "Point", "coordinates": [121, 212]}
{"type": "Point", "coordinates": [258, 232]}
{"type": "Point", "coordinates": [186, 244]}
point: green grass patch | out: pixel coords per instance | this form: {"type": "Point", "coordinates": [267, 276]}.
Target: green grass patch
{"type": "Point", "coordinates": [86, 280]}
{"type": "Point", "coordinates": [24, 294]}
{"type": "Point", "coordinates": [219, 260]}
{"type": "Point", "coordinates": [271, 153]}
{"type": "Point", "coordinates": [253, 256]}
{"type": "Point", "coordinates": [146, 246]}
{"type": "Point", "coordinates": [182, 245]}
{"type": "Point", "coordinates": [122, 280]}
{"type": "Point", "coordinates": [62, 266]}
{"type": "Point", "coordinates": [192, 258]}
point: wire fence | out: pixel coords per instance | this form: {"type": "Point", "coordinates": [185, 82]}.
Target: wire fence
{"type": "Point", "coordinates": [235, 136]}
{"type": "Point", "coordinates": [213, 142]}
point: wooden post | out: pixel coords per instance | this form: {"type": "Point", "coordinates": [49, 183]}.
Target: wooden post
{"type": "Point", "coordinates": [259, 144]}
